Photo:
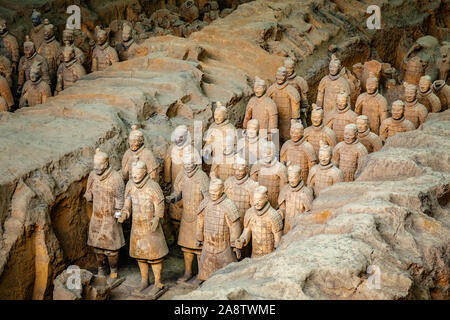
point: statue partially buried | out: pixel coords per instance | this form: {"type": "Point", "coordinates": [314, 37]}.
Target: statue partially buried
{"type": "Point", "coordinates": [262, 224]}
{"type": "Point", "coordinates": [348, 154]}
{"type": "Point", "coordinates": [144, 200]}
{"type": "Point", "coordinates": [105, 189]}
{"type": "Point", "coordinates": [218, 226]}
{"type": "Point", "coordinates": [414, 111]}
{"type": "Point", "coordinates": [103, 55]}
{"type": "Point", "coordinates": [397, 123]}
{"type": "Point", "coordinates": [295, 198]}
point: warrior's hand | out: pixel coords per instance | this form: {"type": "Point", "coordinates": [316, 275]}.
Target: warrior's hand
{"type": "Point", "coordinates": [154, 224]}
{"type": "Point", "coordinates": [237, 252]}
{"type": "Point", "coordinates": [122, 216]}
{"type": "Point", "coordinates": [239, 243]}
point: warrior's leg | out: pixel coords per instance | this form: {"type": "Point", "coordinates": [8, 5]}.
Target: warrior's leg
{"type": "Point", "coordinates": [143, 267]}
{"type": "Point", "coordinates": [188, 259]}
{"type": "Point", "coordinates": [157, 270]}
{"type": "Point", "coordinates": [101, 263]}
{"type": "Point", "coordinates": [113, 260]}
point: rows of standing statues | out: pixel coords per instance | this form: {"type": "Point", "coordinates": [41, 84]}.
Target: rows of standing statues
{"type": "Point", "coordinates": [249, 196]}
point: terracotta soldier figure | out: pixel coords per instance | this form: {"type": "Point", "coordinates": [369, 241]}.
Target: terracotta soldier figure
{"type": "Point", "coordinates": [144, 200]}
{"type": "Point", "coordinates": [262, 224]}
{"type": "Point", "coordinates": [240, 187]}
{"type": "Point", "coordinates": [348, 154]}
{"type": "Point", "coordinates": [330, 86]}
{"type": "Point", "coordinates": [6, 95]}
{"type": "Point", "coordinates": [103, 55]}
{"type": "Point", "coordinates": [49, 50]}
{"type": "Point", "coordinates": [191, 185]}
{"type": "Point", "coordinates": [318, 131]}
{"type": "Point", "coordinates": [370, 140]}
{"type": "Point", "coordinates": [442, 90]}
{"type": "Point", "coordinates": [105, 189]}
{"type": "Point", "coordinates": [287, 100]}
{"type": "Point", "coordinates": [325, 173]}
{"type": "Point", "coordinates": [218, 227]}
{"type": "Point", "coordinates": [295, 198]}
{"type": "Point", "coordinates": [372, 104]}
{"type": "Point", "coordinates": [397, 123]}
{"type": "Point", "coordinates": [35, 91]}
{"type": "Point", "coordinates": [414, 111]}
{"type": "Point", "coordinates": [68, 41]}
{"type": "Point", "coordinates": [298, 151]}
{"type": "Point", "coordinates": [215, 136]}
{"type": "Point", "coordinates": [222, 165]}
{"type": "Point", "coordinates": [426, 96]}
{"type": "Point", "coordinates": [301, 85]}
{"type": "Point", "coordinates": [6, 70]}
{"type": "Point", "coordinates": [128, 48]}
{"type": "Point", "coordinates": [248, 147]}
{"type": "Point", "coordinates": [337, 119]}
{"type": "Point", "coordinates": [37, 32]}
{"type": "Point", "coordinates": [173, 164]}
{"type": "Point", "coordinates": [136, 142]}
{"type": "Point", "coordinates": [30, 57]}
{"type": "Point", "coordinates": [262, 108]}
{"type": "Point", "coordinates": [70, 71]}
{"type": "Point", "coordinates": [269, 172]}
{"type": "Point", "coordinates": [10, 45]}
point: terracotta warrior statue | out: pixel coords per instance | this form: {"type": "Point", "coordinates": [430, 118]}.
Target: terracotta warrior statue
{"type": "Point", "coordinates": [128, 48]}
{"type": "Point", "coordinates": [337, 119]}
{"type": "Point", "coordinates": [36, 90]}
{"type": "Point", "coordinates": [397, 123]}
{"type": "Point", "coordinates": [318, 131]}
{"type": "Point", "coordinates": [269, 172]}
{"type": "Point", "coordinates": [298, 151]}
{"type": "Point", "coordinates": [263, 109]}
{"type": "Point", "coordinates": [103, 55]}
{"type": "Point", "coordinates": [6, 70]}
{"type": "Point", "coordinates": [70, 71]}
{"type": "Point", "coordinates": [414, 111]}
{"type": "Point", "coordinates": [173, 164]}
{"type": "Point", "coordinates": [49, 49]}
{"type": "Point", "coordinates": [215, 136]}
{"type": "Point", "coordinates": [325, 173]}
{"type": "Point", "coordinates": [442, 90]}
{"type": "Point", "coordinates": [37, 32]}
{"type": "Point", "coordinates": [262, 224]}
{"type": "Point", "coordinates": [144, 200]}
{"type": "Point", "coordinates": [218, 227]}
{"type": "Point", "coordinates": [6, 95]}
{"type": "Point", "coordinates": [105, 189]}
{"type": "Point", "coordinates": [248, 147]}
{"type": "Point", "coordinates": [426, 96]}
{"type": "Point", "coordinates": [30, 57]}
{"type": "Point", "coordinates": [10, 46]}
{"type": "Point", "coordinates": [330, 86]}
{"type": "Point", "coordinates": [372, 104]}
{"type": "Point", "coordinates": [287, 100]}
{"type": "Point", "coordinates": [302, 88]}
{"type": "Point", "coordinates": [295, 198]}
{"type": "Point", "coordinates": [222, 165]}
{"type": "Point", "coordinates": [68, 39]}
{"type": "Point", "coordinates": [370, 140]}
{"type": "Point", "coordinates": [136, 142]}
{"type": "Point", "coordinates": [348, 154]}
{"type": "Point", "coordinates": [240, 187]}
{"type": "Point", "coordinates": [191, 186]}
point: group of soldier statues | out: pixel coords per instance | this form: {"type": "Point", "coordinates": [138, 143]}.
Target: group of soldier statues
{"type": "Point", "coordinates": [47, 66]}
{"type": "Point", "coordinates": [254, 191]}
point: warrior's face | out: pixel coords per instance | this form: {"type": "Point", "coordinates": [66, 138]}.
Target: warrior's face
{"type": "Point", "coordinates": [324, 157]}
{"type": "Point", "coordinates": [252, 130]}
{"type": "Point", "coordinates": [316, 118]}
{"type": "Point", "coordinates": [28, 50]}
{"type": "Point", "coordinates": [294, 177]}
{"type": "Point", "coordinates": [189, 166]}
{"type": "Point", "coordinates": [268, 154]}
{"type": "Point", "coordinates": [410, 94]}
{"type": "Point", "coordinates": [361, 124]}
{"type": "Point", "coordinates": [135, 141]}
{"type": "Point", "coordinates": [281, 77]}
{"type": "Point", "coordinates": [126, 34]}
{"type": "Point", "coordinates": [341, 101]}
{"type": "Point", "coordinates": [36, 19]}
{"type": "Point", "coordinates": [102, 38]}
{"type": "Point", "coordinates": [180, 139]}
{"type": "Point", "coordinates": [35, 75]}
{"type": "Point", "coordinates": [68, 54]}
{"type": "Point", "coordinates": [215, 191]}
{"type": "Point", "coordinates": [397, 111]}
{"type": "Point", "coordinates": [296, 134]}
{"type": "Point", "coordinates": [371, 86]}
{"type": "Point", "coordinates": [259, 90]}
{"type": "Point", "coordinates": [100, 165]}
{"type": "Point", "coordinates": [67, 38]}
{"type": "Point", "coordinates": [259, 200]}
{"type": "Point", "coordinates": [219, 116]}
{"type": "Point", "coordinates": [289, 68]}
{"type": "Point", "coordinates": [334, 68]}
{"type": "Point", "coordinates": [240, 171]}
{"type": "Point", "coordinates": [48, 32]}
{"type": "Point", "coordinates": [349, 135]}
{"type": "Point", "coordinates": [3, 28]}
{"type": "Point", "coordinates": [424, 84]}
{"type": "Point", "coordinates": [138, 173]}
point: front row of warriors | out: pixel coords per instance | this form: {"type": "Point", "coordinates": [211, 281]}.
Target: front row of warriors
{"type": "Point", "coordinates": [219, 218]}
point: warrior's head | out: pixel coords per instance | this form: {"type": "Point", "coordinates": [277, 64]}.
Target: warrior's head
{"type": "Point", "coordinates": [252, 128]}
{"type": "Point", "coordinates": [240, 168]}
{"type": "Point", "coordinates": [425, 84]}
{"type": "Point", "coordinates": [35, 72]}
{"type": "Point", "coordinates": [372, 84]}
{"type": "Point", "coordinates": [49, 30]}
{"type": "Point", "coordinates": [36, 18]}
{"type": "Point", "coordinates": [335, 66]}
{"type": "Point", "coordinates": [220, 114]}
{"type": "Point", "coordinates": [136, 138]}
{"type": "Point", "coordinates": [68, 37]}
{"type": "Point", "coordinates": [294, 175]}
{"type": "Point", "coordinates": [289, 64]}
{"type": "Point", "coordinates": [398, 108]}
{"type": "Point", "coordinates": [28, 47]}
{"type": "Point", "coordinates": [296, 130]}
{"type": "Point", "coordinates": [101, 162]}
{"type": "Point", "coordinates": [316, 115]}
{"type": "Point", "coordinates": [281, 75]}
{"type": "Point", "coordinates": [362, 123]}
{"type": "Point", "coordinates": [126, 32]}
{"type": "Point", "coordinates": [260, 197]}
{"type": "Point", "coordinates": [410, 93]}
{"type": "Point", "coordinates": [215, 189]}
{"type": "Point", "coordinates": [259, 87]}
{"type": "Point", "coordinates": [325, 153]}
{"type": "Point", "coordinates": [350, 131]}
